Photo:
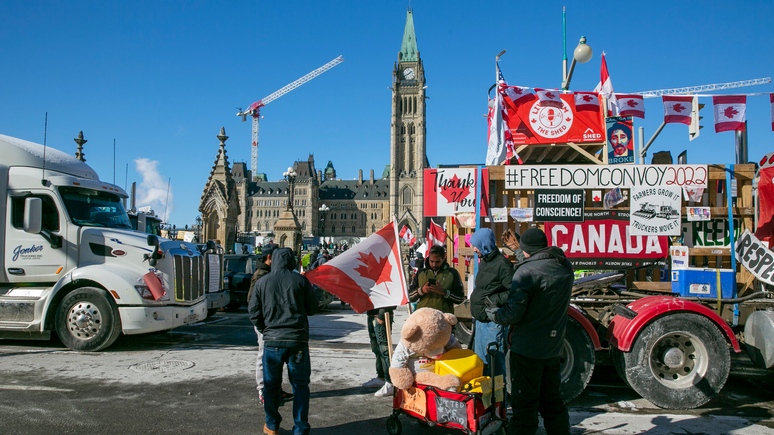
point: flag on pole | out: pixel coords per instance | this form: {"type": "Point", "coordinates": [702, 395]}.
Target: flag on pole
{"type": "Point", "coordinates": [729, 112]}
{"type": "Point", "coordinates": [631, 105]}
{"type": "Point", "coordinates": [677, 109]}
{"type": "Point", "coordinates": [586, 101]}
{"type": "Point", "coordinates": [368, 275]}
{"type": "Point", "coordinates": [605, 87]}
{"type": "Point", "coordinates": [405, 234]}
{"type": "Point", "coordinates": [499, 141]}
{"type": "Point", "coordinates": [436, 235]}
{"type": "Point", "coordinates": [549, 98]}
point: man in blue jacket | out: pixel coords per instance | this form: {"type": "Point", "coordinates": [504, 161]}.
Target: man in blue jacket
{"type": "Point", "coordinates": [536, 310]}
{"type": "Point", "coordinates": [279, 307]}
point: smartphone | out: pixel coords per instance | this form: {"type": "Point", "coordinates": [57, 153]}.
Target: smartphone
{"type": "Point", "coordinates": [431, 281]}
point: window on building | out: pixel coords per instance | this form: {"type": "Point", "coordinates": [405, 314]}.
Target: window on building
{"type": "Point", "coordinates": [343, 230]}
{"type": "Point", "coordinates": [333, 230]}
{"type": "Point", "coordinates": [353, 229]}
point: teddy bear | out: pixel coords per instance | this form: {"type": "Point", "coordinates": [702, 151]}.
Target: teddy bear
{"type": "Point", "coordinates": [425, 336]}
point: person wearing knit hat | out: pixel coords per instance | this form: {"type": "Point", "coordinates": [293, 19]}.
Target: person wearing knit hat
{"type": "Point", "coordinates": [493, 281]}
{"type": "Point", "coordinates": [536, 311]}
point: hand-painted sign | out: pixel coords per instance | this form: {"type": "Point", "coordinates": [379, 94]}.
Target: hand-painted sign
{"type": "Point", "coordinates": [755, 257]}
{"type": "Point", "coordinates": [655, 211]}
{"type": "Point", "coordinates": [533, 122]}
{"type": "Point", "coordinates": [452, 190]}
{"type": "Point", "coordinates": [559, 205]}
{"type": "Point", "coordinates": [604, 176]}
{"type": "Point", "coordinates": [710, 234]}
{"type": "Point", "coordinates": [451, 411]}
{"type": "Point", "coordinates": [603, 241]}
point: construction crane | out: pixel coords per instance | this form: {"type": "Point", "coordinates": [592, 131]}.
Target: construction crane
{"type": "Point", "coordinates": [696, 89]}
{"type": "Point", "coordinates": [254, 109]}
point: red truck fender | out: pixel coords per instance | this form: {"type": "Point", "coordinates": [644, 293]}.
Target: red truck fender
{"type": "Point", "coordinates": [577, 314]}
{"type": "Point", "coordinates": [622, 331]}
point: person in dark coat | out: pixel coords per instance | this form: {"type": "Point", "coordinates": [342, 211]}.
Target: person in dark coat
{"type": "Point", "coordinates": [493, 281]}
{"type": "Point", "coordinates": [279, 308]}
{"type": "Point", "coordinates": [536, 310]}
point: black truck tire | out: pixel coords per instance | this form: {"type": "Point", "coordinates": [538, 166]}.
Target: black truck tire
{"type": "Point", "coordinates": [678, 361]}
{"type": "Point", "coordinates": [578, 358]}
{"type": "Point", "coordinates": [87, 321]}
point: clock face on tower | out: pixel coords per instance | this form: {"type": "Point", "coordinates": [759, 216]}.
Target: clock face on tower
{"type": "Point", "coordinates": [408, 73]}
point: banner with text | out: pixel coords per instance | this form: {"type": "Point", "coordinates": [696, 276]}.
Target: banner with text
{"type": "Point", "coordinates": [533, 122]}
{"type": "Point", "coordinates": [755, 257]}
{"type": "Point", "coordinates": [604, 176]}
{"type": "Point", "coordinates": [603, 242]}
{"type": "Point", "coordinates": [559, 205]}
{"type": "Point", "coordinates": [453, 190]}
{"type": "Point", "coordinates": [713, 233]}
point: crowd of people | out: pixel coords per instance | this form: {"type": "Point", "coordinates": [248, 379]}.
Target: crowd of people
{"type": "Point", "coordinates": [521, 307]}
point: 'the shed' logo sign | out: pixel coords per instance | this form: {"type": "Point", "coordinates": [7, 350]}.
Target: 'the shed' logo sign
{"type": "Point", "coordinates": [550, 122]}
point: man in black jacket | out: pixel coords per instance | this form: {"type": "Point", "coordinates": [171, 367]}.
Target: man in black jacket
{"type": "Point", "coordinates": [279, 306]}
{"type": "Point", "coordinates": [536, 310]}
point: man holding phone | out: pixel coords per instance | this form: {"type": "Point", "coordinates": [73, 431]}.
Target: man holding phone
{"type": "Point", "coordinates": [437, 285]}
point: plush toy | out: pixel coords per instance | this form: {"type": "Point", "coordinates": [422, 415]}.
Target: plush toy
{"type": "Point", "coordinates": [426, 335]}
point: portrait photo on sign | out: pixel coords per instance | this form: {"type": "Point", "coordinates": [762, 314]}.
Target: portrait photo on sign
{"type": "Point", "coordinates": [620, 143]}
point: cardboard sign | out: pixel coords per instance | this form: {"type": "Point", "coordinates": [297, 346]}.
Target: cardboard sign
{"type": "Point", "coordinates": [755, 257]}
{"type": "Point", "coordinates": [453, 190]}
{"type": "Point", "coordinates": [532, 177]}
{"type": "Point", "coordinates": [603, 242]}
{"type": "Point", "coordinates": [620, 142]}
{"type": "Point", "coordinates": [559, 205]}
{"type": "Point", "coordinates": [451, 411]}
{"type": "Point", "coordinates": [711, 233]}
{"type": "Point", "coordinates": [414, 400]}
{"type": "Point", "coordinates": [655, 211]}
{"type": "Point", "coordinates": [534, 122]}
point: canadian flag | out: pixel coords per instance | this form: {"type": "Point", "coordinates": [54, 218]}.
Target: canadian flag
{"type": "Point", "coordinates": [405, 234]}
{"type": "Point", "coordinates": [518, 95]}
{"type": "Point", "coordinates": [436, 235]}
{"type": "Point", "coordinates": [499, 141]}
{"type": "Point", "coordinates": [368, 275]}
{"type": "Point", "coordinates": [587, 101]}
{"type": "Point", "coordinates": [729, 112]}
{"type": "Point", "coordinates": [771, 99]}
{"type": "Point", "coordinates": [631, 105]}
{"type": "Point", "coordinates": [605, 87]}
{"type": "Point", "coordinates": [549, 98]}
{"type": "Point", "coordinates": [677, 109]}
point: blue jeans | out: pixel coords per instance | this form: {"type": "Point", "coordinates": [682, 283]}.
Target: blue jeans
{"type": "Point", "coordinates": [299, 372]}
{"type": "Point", "coordinates": [378, 335]}
{"type": "Point", "coordinates": [487, 333]}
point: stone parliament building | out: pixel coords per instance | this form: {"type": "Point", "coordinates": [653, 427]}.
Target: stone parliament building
{"type": "Point", "coordinates": [236, 203]}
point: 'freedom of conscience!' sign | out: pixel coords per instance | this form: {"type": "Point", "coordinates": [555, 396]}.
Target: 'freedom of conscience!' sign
{"type": "Point", "coordinates": [559, 205]}
{"type": "Point", "coordinates": [604, 176]}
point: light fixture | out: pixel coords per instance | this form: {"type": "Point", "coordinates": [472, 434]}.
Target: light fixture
{"type": "Point", "coordinates": [581, 54]}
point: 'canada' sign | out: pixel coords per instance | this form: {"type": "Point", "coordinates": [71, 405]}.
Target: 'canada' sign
{"type": "Point", "coordinates": [534, 123]}
{"type": "Point", "coordinates": [603, 241]}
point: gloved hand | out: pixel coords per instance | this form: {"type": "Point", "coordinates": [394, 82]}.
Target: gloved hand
{"type": "Point", "coordinates": [491, 312]}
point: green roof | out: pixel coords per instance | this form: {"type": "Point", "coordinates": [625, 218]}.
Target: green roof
{"type": "Point", "coordinates": [408, 49]}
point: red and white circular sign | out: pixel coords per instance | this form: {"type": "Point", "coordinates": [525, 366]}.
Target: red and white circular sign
{"type": "Point", "coordinates": [550, 122]}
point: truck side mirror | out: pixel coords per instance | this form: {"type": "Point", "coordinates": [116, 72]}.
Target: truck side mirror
{"type": "Point", "coordinates": [33, 215]}
{"type": "Point", "coordinates": [154, 256]}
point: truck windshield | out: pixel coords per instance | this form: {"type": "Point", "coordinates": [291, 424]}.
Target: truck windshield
{"type": "Point", "coordinates": [92, 208]}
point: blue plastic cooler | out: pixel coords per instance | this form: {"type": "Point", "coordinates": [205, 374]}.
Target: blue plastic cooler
{"type": "Point", "coordinates": [703, 283]}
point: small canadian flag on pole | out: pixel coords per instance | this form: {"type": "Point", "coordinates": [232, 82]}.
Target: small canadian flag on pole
{"type": "Point", "coordinates": [729, 112]}
{"type": "Point", "coordinates": [677, 109]}
{"type": "Point", "coordinates": [436, 235]}
{"type": "Point", "coordinates": [405, 234]}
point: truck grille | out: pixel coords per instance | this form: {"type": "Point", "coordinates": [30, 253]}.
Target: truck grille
{"type": "Point", "coordinates": [189, 279]}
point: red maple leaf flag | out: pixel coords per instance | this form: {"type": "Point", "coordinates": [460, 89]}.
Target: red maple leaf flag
{"type": "Point", "coordinates": [368, 275]}
{"type": "Point", "coordinates": [405, 234]}
{"type": "Point", "coordinates": [549, 98]}
{"type": "Point", "coordinates": [631, 105]}
{"type": "Point", "coordinates": [729, 112]}
{"type": "Point", "coordinates": [586, 101]}
{"type": "Point", "coordinates": [605, 87]}
{"type": "Point", "coordinates": [677, 109]}
{"type": "Point", "coordinates": [517, 95]}
{"type": "Point", "coordinates": [436, 235]}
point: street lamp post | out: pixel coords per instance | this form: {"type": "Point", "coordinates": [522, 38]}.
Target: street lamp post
{"type": "Point", "coordinates": [199, 229]}
{"type": "Point", "coordinates": [581, 54]}
{"type": "Point", "coordinates": [290, 174]}
{"type": "Point", "coordinates": [324, 209]}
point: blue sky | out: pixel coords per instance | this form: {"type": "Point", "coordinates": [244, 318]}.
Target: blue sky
{"type": "Point", "coordinates": [162, 77]}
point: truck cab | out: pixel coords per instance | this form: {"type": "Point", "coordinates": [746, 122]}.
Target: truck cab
{"type": "Point", "coordinates": [72, 264]}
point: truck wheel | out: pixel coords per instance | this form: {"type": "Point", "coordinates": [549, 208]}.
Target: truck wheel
{"type": "Point", "coordinates": [462, 330]}
{"type": "Point", "coordinates": [617, 357]}
{"type": "Point", "coordinates": [679, 361]}
{"type": "Point", "coordinates": [86, 321]}
{"type": "Point", "coordinates": [577, 360]}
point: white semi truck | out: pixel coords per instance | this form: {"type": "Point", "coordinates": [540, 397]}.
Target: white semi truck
{"type": "Point", "coordinates": [73, 264]}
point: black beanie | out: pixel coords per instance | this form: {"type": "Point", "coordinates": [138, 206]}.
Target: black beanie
{"type": "Point", "coordinates": [533, 240]}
